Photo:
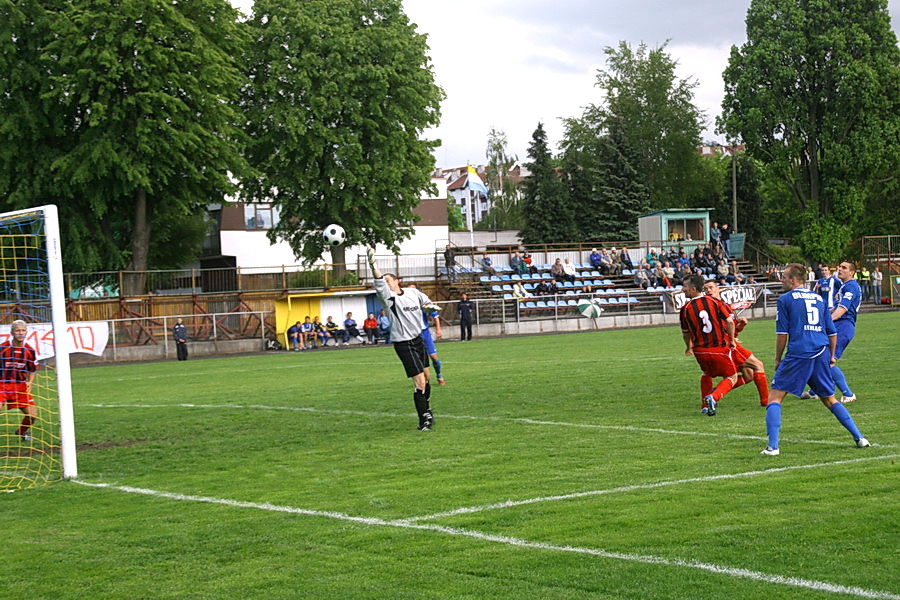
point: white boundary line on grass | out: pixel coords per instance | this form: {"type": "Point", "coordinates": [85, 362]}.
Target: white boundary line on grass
{"type": "Point", "coordinates": [526, 421]}
{"type": "Point", "coordinates": [640, 486]}
{"type": "Point", "coordinates": [797, 582]}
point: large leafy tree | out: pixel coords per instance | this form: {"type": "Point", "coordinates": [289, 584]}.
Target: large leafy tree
{"type": "Point", "coordinates": [122, 112]}
{"type": "Point", "coordinates": [605, 191]}
{"type": "Point", "coordinates": [548, 218]}
{"type": "Point", "coordinates": [656, 113]}
{"type": "Point", "coordinates": [339, 94]}
{"type": "Point", "coordinates": [814, 93]}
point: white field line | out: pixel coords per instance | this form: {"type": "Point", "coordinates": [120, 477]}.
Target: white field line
{"type": "Point", "coordinates": [640, 486]}
{"type": "Point", "coordinates": [526, 421]}
{"type": "Point", "coordinates": [796, 582]}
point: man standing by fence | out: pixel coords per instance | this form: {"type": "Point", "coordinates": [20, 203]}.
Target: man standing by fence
{"type": "Point", "coordinates": [179, 332]}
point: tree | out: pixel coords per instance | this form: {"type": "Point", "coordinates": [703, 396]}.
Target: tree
{"type": "Point", "coordinates": [605, 191]}
{"type": "Point", "coordinates": [125, 112]}
{"type": "Point", "coordinates": [657, 115]}
{"type": "Point", "coordinates": [505, 212]}
{"type": "Point", "coordinates": [751, 205]}
{"type": "Point", "coordinates": [815, 94]}
{"type": "Point", "coordinates": [455, 219]}
{"type": "Point", "coordinates": [339, 94]}
{"type": "Point", "coordinates": [547, 216]}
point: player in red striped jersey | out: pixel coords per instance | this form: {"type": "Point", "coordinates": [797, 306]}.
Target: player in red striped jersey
{"type": "Point", "coordinates": [708, 332]}
{"type": "Point", "coordinates": [18, 366]}
{"type": "Point", "coordinates": [751, 368]}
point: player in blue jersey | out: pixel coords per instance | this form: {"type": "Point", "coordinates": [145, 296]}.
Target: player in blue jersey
{"type": "Point", "coordinates": [430, 347]}
{"type": "Point", "coordinates": [847, 299]}
{"type": "Point", "coordinates": [804, 327]}
{"type": "Point", "coordinates": [827, 286]}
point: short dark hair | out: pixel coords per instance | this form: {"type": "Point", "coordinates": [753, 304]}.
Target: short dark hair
{"type": "Point", "coordinates": [795, 271]}
{"type": "Point", "coordinates": [695, 281]}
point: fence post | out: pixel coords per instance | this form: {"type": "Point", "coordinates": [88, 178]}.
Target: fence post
{"type": "Point", "coordinates": [193, 280]}
{"type": "Point", "coordinates": [166, 337]}
{"type": "Point", "coordinates": [238, 270]}
{"type": "Point", "coordinates": [114, 353]}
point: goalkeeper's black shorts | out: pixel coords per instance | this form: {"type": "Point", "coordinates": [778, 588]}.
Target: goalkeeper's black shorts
{"type": "Point", "coordinates": [412, 355]}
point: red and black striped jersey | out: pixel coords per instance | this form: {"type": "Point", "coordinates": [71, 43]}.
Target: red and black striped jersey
{"type": "Point", "coordinates": [16, 363]}
{"type": "Point", "coordinates": [705, 318]}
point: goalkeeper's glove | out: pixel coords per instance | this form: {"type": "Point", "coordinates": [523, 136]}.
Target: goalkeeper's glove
{"type": "Point", "coordinates": [370, 252]}
{"type": "Point", "coordinates": [431, 307]}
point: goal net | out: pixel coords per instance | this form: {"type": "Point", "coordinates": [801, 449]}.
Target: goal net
{"type": "Point", "coordinates": [37, 431]}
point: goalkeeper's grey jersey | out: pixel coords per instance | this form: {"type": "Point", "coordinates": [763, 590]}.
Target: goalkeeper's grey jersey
{"type": "Point", "coordinates": [404, 310]}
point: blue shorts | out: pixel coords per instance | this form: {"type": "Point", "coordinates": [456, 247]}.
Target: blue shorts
{"type": "Point", "coordinates": [793, 374]}
{"type": "Point", "coordinates": [845, 332]}
{"type": "Point", "coordinates": [430, 348]}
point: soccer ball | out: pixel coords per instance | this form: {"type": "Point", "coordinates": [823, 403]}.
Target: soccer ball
{"type": "Point", "coordinates": [334, 235]}
{"type": "Point", "coordinates": [590, 308]}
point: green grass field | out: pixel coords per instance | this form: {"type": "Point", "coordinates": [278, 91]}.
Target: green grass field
{"type": "Point", "coordinates": [564, 466]}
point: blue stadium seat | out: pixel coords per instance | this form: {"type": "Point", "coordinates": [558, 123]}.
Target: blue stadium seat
{"type": "Point", "coordinates": [572, 303]}
{"type": "Point", "coordinates": [570, 292]}
{"type": "Point", "coordinates": [507, 296]}
{"type": "Point", "coordinates": [608, 282]}
{"type": "Point", "coordinates": [551, 303]}
{"type": "Point", "coordinates": [633, 300]}
{"type": "Point", "coordinates": [515, 277]}
{"type": "Point", "coordinates": [495, 278]}
{"type": "Point", "coordinates": [530, 305]}
{"type": "Point", "coordinates": [595, 273]}
{"type": "Point", "coordinates": [540, 304]}
{"type": "Point", "coordinates": [496, 288]}
{"type": "Point", "coordinates": [567, 284]}
{"type": "Point", "coordinates": [505, 278]}
{"type": "Point", "coordinates": [507, 288]}
{"type": "Point", "coordinates": [528, 286]}
{"type": "Point", "coordinates": [484, 279]}
{"type": "Point", "coordinates": [601, 301]}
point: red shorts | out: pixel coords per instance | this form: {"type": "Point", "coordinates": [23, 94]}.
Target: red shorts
{"type": "Point", "coordinates": [15, 395]}
{"type": "Point", "coordinates": [715, 362]}
{"type": "Point", "coordinates": [740, 354]}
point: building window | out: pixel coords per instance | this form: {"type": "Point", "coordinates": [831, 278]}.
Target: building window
{"type": "Point", "coordinates": [260, 216]}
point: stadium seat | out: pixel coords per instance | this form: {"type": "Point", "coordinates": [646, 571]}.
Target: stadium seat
{"type": "Point", "coordinates": [507, 288]}
{"type": "Point", "coordinates": [528, 286]}
{"type": "Point", "coordinates": [608, 282]}
{"type": "Point", "coordinates": [633, 300]}
{"type": "Point", "coordinates": [505, 278]}
{"type": "Point", "coordinates": [567, 284]}
{"type": "Point", "coordinates": [570, 292]}
{"type": "Point", "coordinates": [507, 296]}
{"type": "Point", "coordinates": [601, 301]}
{"type": "Point", "coordinates": [515, 277]}
{"type": "Point", "coordinates": [496, 288]}
{"type": "Point", "coordinates": [551, 303]}
{"type": "Point", "coordinates": [572, 303]}
{"type": "Point", "coordinates": [540, 304]}
{"type": "Point", "coordinates": [495, 278]}
{"type": "Point", "coordinates": [546, 276]}
{"type": "Point", "coordinates": [595, 273]}
{"type": "Point", "coordinates": [529, 305]}
{"type": "Point", "coordinates": [484, 279]}
{"type": "Point", "coordinates": [620, 291]}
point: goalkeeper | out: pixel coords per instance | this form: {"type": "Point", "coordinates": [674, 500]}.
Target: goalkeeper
{"type": "Point", "coordinates": [18, 365]}
{"type": "Point", "coordinates": [404, 309]}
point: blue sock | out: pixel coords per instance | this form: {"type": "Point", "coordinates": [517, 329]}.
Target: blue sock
{"type": "Point", "coordinates": [839, 380]}
{"type": "Point", "coordinates": [773, 423]}
{"type": "Point", "coordinates": [437, 367]}
{"type": "Point", "coordinates": [843, 416]}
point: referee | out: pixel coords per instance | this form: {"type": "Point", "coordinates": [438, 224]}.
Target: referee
{"type": "Point", "coordinates": [404, 309]}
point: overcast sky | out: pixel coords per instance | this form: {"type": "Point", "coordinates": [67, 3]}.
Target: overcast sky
{"type": "Point", "coordinates": [510, 64]}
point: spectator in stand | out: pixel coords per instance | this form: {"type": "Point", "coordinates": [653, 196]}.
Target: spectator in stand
{"type": "Point", "coordinates": [625, 259]}
{"type": "Point", "coordinates": [552, 288]}
{"type": "Point", "coordinates": [309, 333]}
{"type": "Point", "coordinates": [683, 259]}
{"type": "Point", "coordinates": [734, 273]}
{"type": "Point", "coordinates": [569, 269]}
{"type": "Point", "coordinates": [526, 258]}
{"type": "Point", "coordinates": [681, 273]}
{"type": "Point", "coordinates": [587, 288]}
{"type": "Point", "coordinates": [725, 240]}
{"type": "Point", "coordinates": [668, 274]}
{"type": "Point", "coordinates": [321, 334]}
{"type": "Point", "coordinates": [519, 292]}
{"type": "Point", "coordinates": [541, 288]}
{"type": "Point", "coordinates": [656, 275]}
{"type": "Point", "coordinates": [450, 263]}
{"type": "Point", "coordinates": [722, 270]}
{"type": "Point", "coordinates": [615, 259]}
{"type": "Point", "coordinates": [333, 330]}
{"type": "Point", "coordinates": [607, 266]}
{"type": "Point", "coordinates": [295, 338]}
{"type": "Point", "coordinates": [714, 234]}
{"type": "Point", "coordinates": [384, 327]}
{"type": "Point", "coordinates": [515, 261]}
{"type": "Point", "coordinates": [370, 326]}
{"type": "Point", "coordinates": [487, 265]}
{"type": "Point", "coordinates": [557, 271]}
{"type": "Point", "coordinates": [465, 308]}
{"type": "Point", "coordinates": [595, 258]}
{"type": "Point", "coordinates": [652, 258]}
{"type": "Point", "coordinates": [350, 329]}
{"type": "Point", "coordinates": [641, 279]}
{"type": "Point", "coordinates": [877, 279]}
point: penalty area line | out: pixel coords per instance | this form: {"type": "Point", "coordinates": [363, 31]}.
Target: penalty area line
{"type": "Point", "coordinates": [496, 419]}
{"type": "Point", "coordinates": [641, 486]}
{"type": "Point", "coordinates": [796, 582]}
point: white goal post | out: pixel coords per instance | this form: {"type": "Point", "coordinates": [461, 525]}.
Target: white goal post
{"type": "Point", "coordinates": [32, 289]}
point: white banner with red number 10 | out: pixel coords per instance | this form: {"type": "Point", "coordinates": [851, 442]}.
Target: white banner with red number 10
{"type": "Point", "coordinates": [84, 336]}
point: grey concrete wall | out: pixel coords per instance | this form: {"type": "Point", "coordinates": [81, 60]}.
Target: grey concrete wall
{"type": "Point", "coordinates": [161, 352]}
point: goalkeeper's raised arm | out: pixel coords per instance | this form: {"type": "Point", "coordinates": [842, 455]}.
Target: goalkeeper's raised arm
{"type": "Point", "coordinates": [370, 253]}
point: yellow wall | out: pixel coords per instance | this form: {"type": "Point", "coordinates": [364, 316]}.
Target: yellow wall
{"type": "Point", "coordinates": [292, 309]}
